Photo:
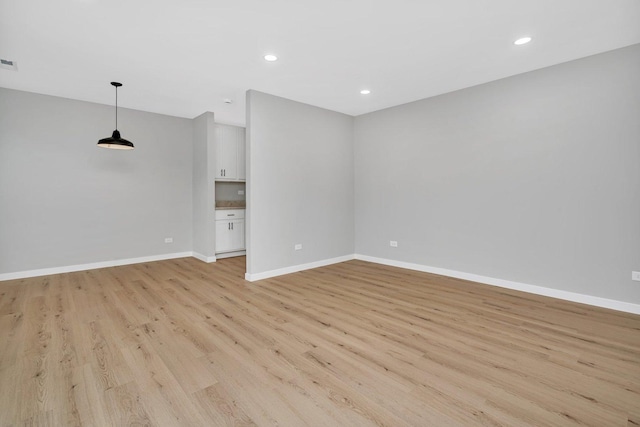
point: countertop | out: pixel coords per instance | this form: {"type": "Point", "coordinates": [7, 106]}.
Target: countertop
{"type": "Point", "coordinates": [231, 204]}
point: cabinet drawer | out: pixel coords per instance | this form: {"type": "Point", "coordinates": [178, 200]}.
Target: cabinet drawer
{"type": "Point", "coordinates": [229, 214]}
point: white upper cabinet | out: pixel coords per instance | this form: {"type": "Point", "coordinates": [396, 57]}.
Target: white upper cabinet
{"type": "Point", "coordinates": [242, 155]}
{"type": "Point", "coordinates": [230, 153]}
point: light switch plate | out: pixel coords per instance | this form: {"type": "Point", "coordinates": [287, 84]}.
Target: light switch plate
{"type": "Point", "coordinates": [635, 275]}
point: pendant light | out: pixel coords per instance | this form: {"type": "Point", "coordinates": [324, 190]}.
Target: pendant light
{"type": "Point", "coordinates": [116, 142]}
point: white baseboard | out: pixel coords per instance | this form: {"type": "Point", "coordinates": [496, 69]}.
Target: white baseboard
{"type": "Point", "coordinates": [295, 268]}
{"type": "Point", "coordinates": [90, 266]}
{"type": "Point", "coordinates": [231, 254]}
{"type": "Point", "coordinates": [532, 289]}
{"type": "Point", "coordinates": [204, 258]}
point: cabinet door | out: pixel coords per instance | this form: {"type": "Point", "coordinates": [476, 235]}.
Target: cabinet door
{"type": "Point", "coordinates": [218, 141]}
{"type": "Point", "coordinates": [230, 235]}
{"type": "Point", "coordinates": [226, 153]}
{"type": "Point", "coordinates": [223, 236]}
{"type": "Point", "coordinates": [242, 154]}
{"type": "Point", "coordinates": [237, 235]}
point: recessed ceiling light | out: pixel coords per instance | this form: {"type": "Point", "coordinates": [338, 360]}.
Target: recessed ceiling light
{"type": "Point", "coordinates": [270, 58]}
{"type": "Point", "coordinates": [522, 40]}
{"type": "Point", "coordinates": [365, 91]}
{"type": "Point", "coordinates": [228, 101]}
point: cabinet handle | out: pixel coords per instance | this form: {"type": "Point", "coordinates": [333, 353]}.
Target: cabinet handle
{"type": "Point", "coordinates": [229, 226]}
{"type": "Point", "coordinates": [221, 172]}
{"type": "Point", "coordinates": [232, 226]}
{"type": "Point", "coordinates": [231, 214]}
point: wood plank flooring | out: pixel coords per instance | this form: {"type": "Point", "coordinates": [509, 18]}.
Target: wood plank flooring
{"type": "Point", "coordinates": [184, 343]}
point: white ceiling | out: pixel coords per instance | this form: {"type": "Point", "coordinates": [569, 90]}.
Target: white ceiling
{"type": "Point", "coordinates": [184, 57]}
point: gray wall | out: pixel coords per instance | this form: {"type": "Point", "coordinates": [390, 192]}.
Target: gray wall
{"type": "Point", "coordinates": [534, 178]}
{"type": "Point", "coordinates": [203, 185]}
{"type": "Point", "coordinates": [64, 201]}
{"type": "Point", "coordinates": [299, 184]}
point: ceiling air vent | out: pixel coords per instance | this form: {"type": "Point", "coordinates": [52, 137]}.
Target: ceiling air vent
{"type": "Point", "coordinates": [8, 65]}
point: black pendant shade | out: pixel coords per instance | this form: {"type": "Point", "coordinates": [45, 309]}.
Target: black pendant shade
{"type": "Point", "coordinates": [115, 141]}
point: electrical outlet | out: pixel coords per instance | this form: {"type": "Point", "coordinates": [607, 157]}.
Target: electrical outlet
{"type": "Point", "coordinates": [297, 247]}
{"type": "Point", "coordinates": [393, 244]}
{"type": "Point", "coordinates": [168, 239]}
{"type": "Point", "coordinates": [635, 275]}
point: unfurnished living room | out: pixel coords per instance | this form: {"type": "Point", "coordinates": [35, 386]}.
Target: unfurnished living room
{"type": "Point", "coordinates": [320, 213]}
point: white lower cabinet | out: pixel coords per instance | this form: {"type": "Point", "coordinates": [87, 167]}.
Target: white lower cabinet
{"type": "Point", "coordinates": [229, 230]}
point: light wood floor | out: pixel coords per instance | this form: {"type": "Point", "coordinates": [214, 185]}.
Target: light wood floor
{"type": "Point", "coordinates": [184, 343]}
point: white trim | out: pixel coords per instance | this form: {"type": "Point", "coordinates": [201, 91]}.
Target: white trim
{"type": "Point", "coordinates": [204, 258]}
{"type": "Point", "coordinates": [532, 289]}
{"type": "Point", "coordinates": [90, 266]}
{"type": "Point", "coordinates": [295, 268]}
{"type": "Point", "coordinates": [231, 254]}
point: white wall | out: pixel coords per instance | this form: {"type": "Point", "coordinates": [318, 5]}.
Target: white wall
{"type": "Point", "coordinates": [533, 179]}
{"type": "Point", "coordinates": [64, 201]}
{"type": "Point", "coordinates": [299, 184]}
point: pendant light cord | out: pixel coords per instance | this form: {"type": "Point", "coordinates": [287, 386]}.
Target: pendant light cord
{"type": "Point", "coordinates": [116, 107]}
